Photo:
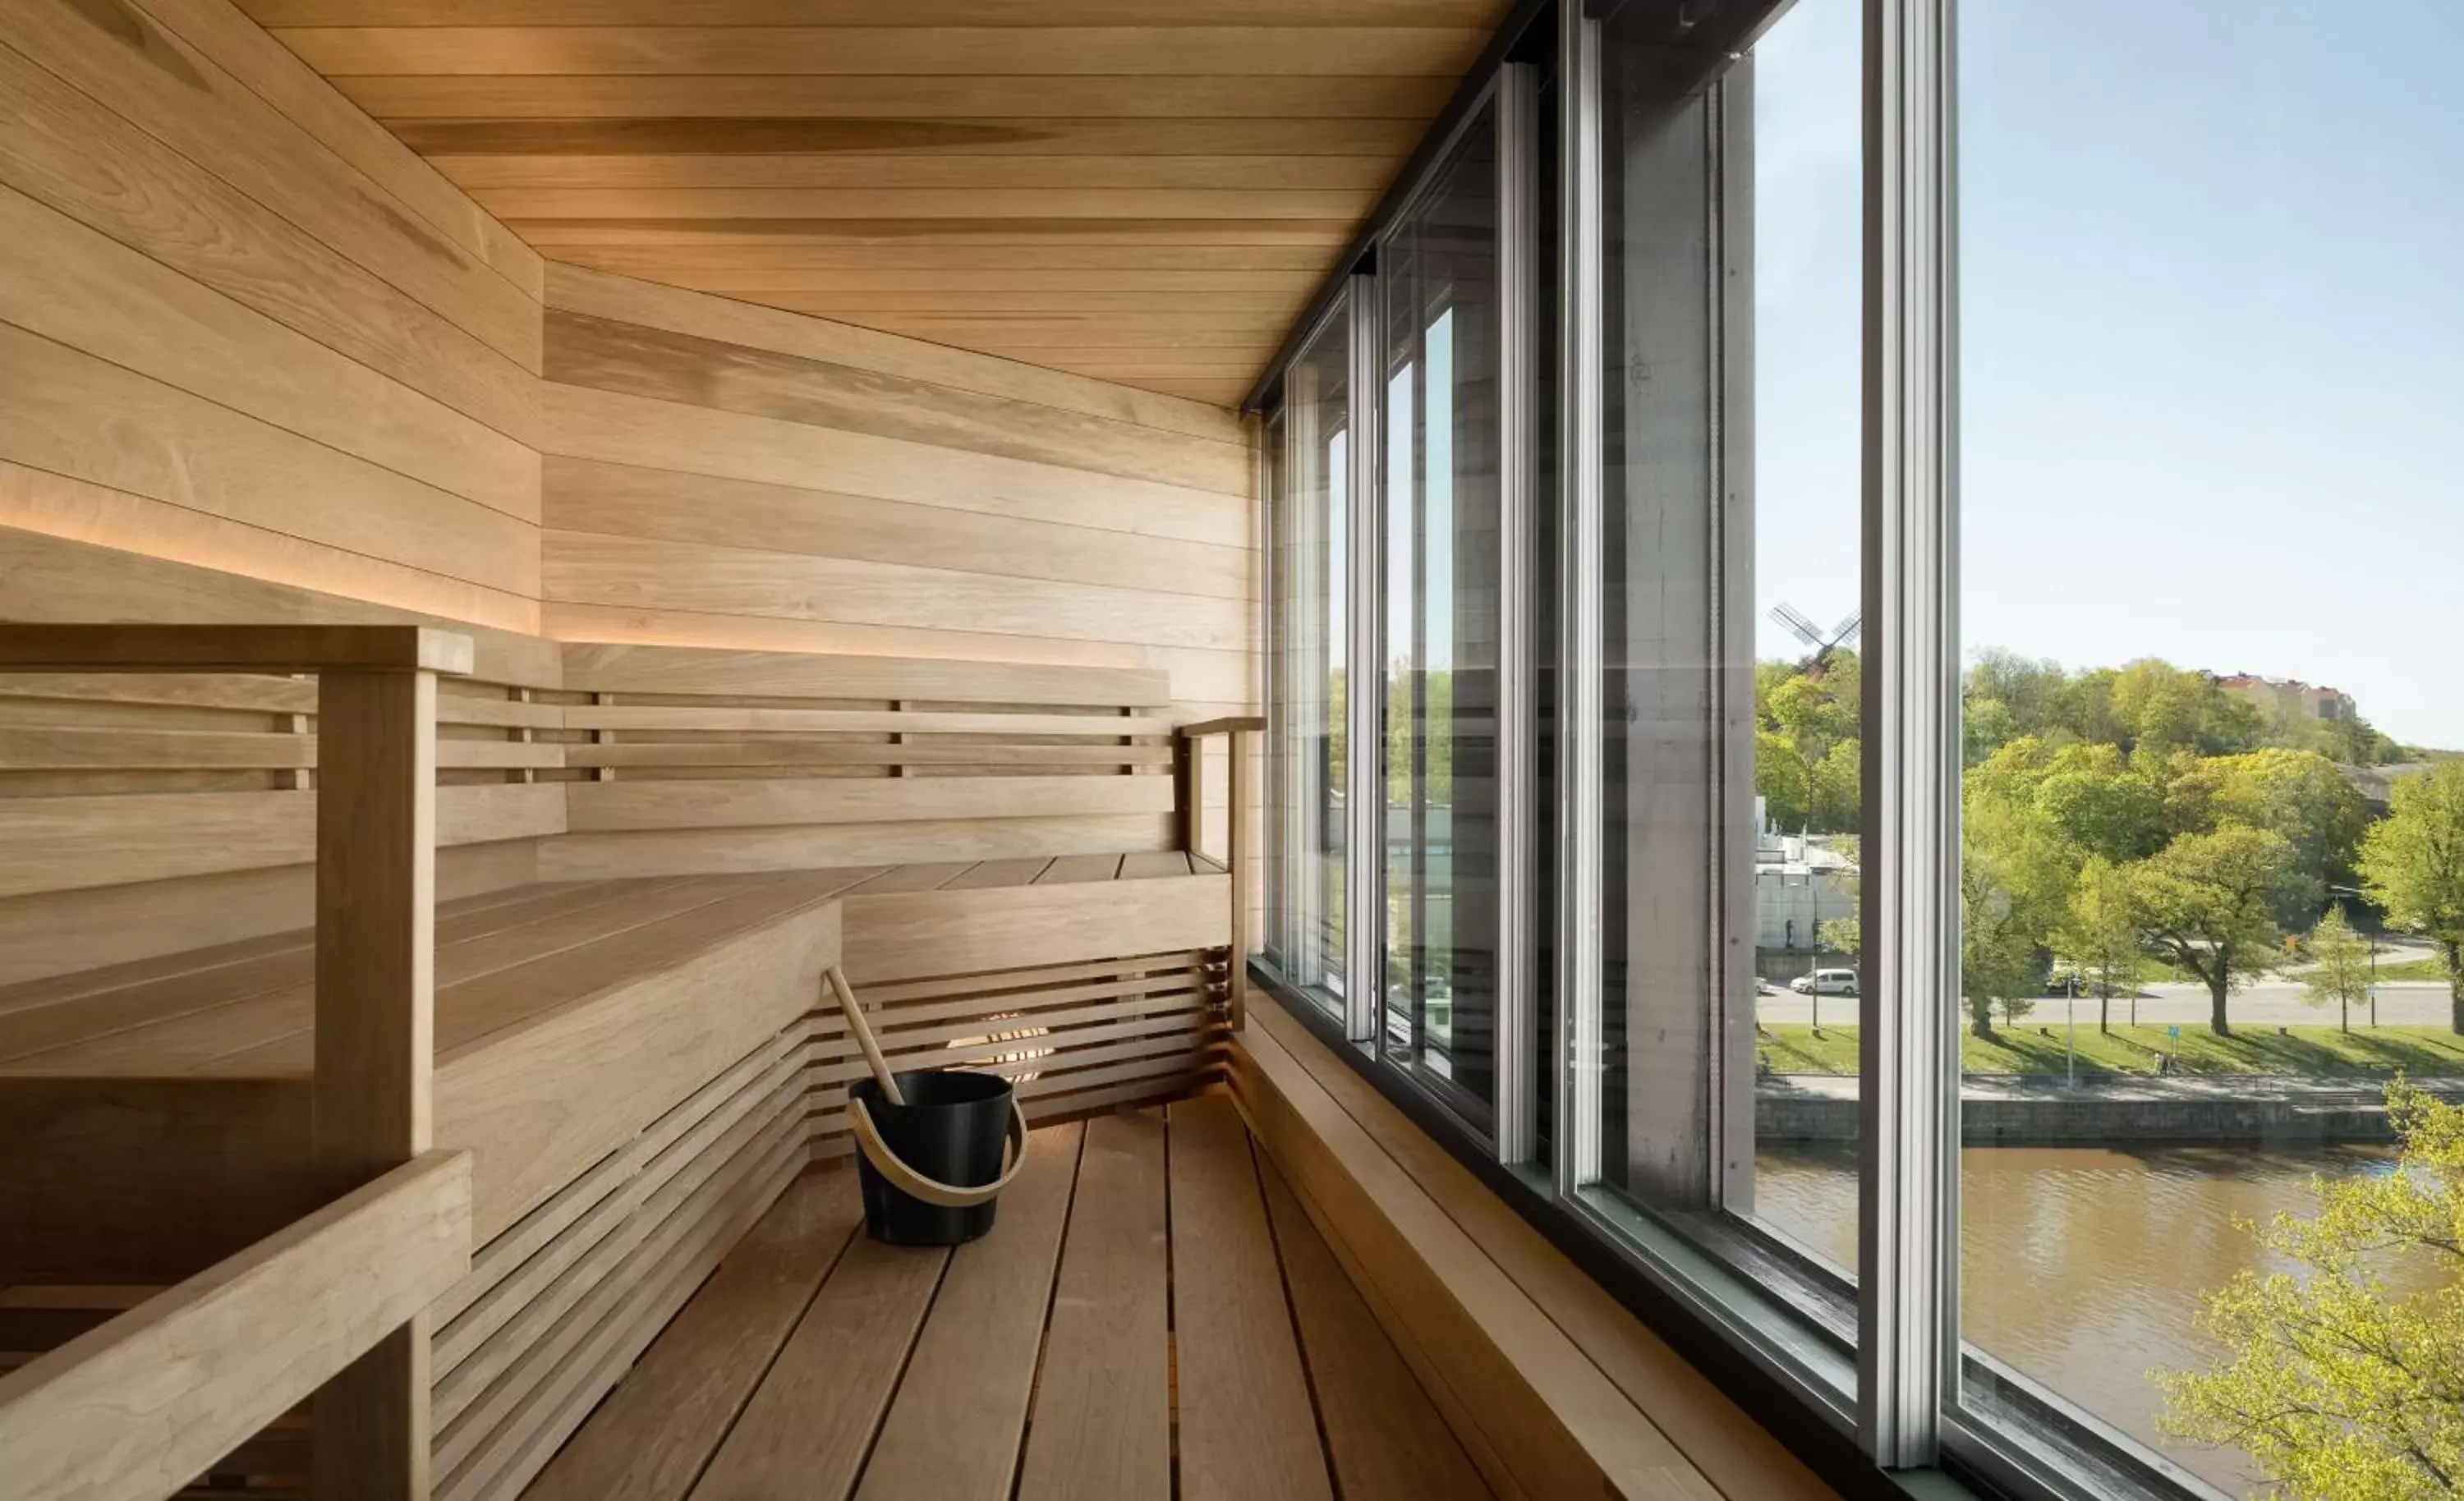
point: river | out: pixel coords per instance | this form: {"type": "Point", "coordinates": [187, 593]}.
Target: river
{"type": "Point", "coordinates": [2084, 1267]}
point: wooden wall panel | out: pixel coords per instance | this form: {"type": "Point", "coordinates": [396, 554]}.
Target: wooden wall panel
{"type": "Point", "coordinates": [725, 476]}
{"type": "Point", "coordinates": [242, 327]}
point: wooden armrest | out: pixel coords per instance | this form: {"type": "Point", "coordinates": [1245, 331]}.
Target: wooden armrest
{"type": "Point", "coordinates": [143, 1404]}
{"type": "Point", "coordinates": [1232, 725]}
{"type": "Point", "coordinates": [233, 649]}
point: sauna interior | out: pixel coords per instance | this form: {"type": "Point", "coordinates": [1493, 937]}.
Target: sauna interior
{"type": "Point", "coordinates": [531, 531]}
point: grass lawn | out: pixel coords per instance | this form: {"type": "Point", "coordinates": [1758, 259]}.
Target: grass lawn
{"type": "Point", "coordinates": [2432, 968]}
{"type": "Point", "coordinates": [2025, 1048]}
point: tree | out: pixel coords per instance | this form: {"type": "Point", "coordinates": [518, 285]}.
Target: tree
{"type": "Point", "coordinates": [2413, 865]}
{"type": "Point", "coordinates": [2014, 877]}
{"type": "Point", "coordinates": [2100, 934]}
{"type": "Point", "coordinates": [2339, 967]}
{"type": "Point", "coordinates": [2341, 1389]}
{"type": "Point", "coordinates": [2299, 794]}
{"type": "Point", "coordinates": [2207, 901]}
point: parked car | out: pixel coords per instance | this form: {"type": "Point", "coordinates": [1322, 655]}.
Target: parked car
{"type": "Point", "coordinates": [1825, 982]}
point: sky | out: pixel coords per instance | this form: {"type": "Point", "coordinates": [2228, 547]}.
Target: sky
{"type": "Point", "coordinates": [2212, 261]}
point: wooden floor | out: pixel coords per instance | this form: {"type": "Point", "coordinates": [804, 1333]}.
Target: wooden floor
{"type": "Point", "coordinates": [1153, 1315]}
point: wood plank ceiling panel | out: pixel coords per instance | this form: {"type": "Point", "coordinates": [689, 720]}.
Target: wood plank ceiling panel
{"type": "Point", "coordinates": [1140, 190]}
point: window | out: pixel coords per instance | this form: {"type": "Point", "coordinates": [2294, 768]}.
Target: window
{"type": "Point", "coordinates": [1903, 665]}
{"type": "Point", "coordinates": [2208, 397]}
{"type": "Point", "coordinates": [1307, 443]}
{"type": "Point", "coordinates": [1440, 274]}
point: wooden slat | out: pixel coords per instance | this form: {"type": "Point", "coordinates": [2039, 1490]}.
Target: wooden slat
{"type": "Point", "coordinates": [597, 857]}
{"type": "Point", "coordinates": [835, 721]}
{"type": "Point", "coordinates": [1148, 13]}
{"type": "Point", "coordinates": [978, 1354]}
{"type": "Point", "coordinates": [684, 670]}
{"type": "Point", "coordinates": [229, 1350]}
{"type": "Point", "coordinates": [1102, 1420]}
{"type": "Point", "coordinates": [655, 1433]}
{"type": "Point", "coordinates": [1154, 863]}
{"type": "Point", "coordinates": [912, 97]}
{"type": "Point", "coordinates": [605, 807]}
{"type": "Point", "coordinates": [811, 752]}
{"type": "Point", "coordinates": [1384, 1438]}
{"type": "Point", "coordinates": [1247, 1427]}
{"type": "Point", "coordinates": [807, 1428]}
{"type": "Point", "coordinates": [1069, 869]}
{"type": "Point", "coordinates": [995, 873]}
{"type": "Point", "coordinates": [922, 934]}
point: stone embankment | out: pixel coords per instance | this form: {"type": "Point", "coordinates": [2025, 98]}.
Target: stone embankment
{"type": "Point", "coordinates": [2030, 1110]}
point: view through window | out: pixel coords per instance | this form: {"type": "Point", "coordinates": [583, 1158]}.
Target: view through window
{"type": "Point", "coordinates": [2210, 318]}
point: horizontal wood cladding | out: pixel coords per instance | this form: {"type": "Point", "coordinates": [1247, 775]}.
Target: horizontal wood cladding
{"type": "Point", "coordinates": [722, 476]}
{"type": "Point", "coordinates": [242, 327]}
{"type": "Point", "coordinates": [58, 581]}
{"type": "Point", "coordinates": [606, 807]}
{"type": "Point", "coordinates": [597, 857]}
{"type": "Point", "coordinates": [668, 670]}
{"type": "Point", "coordinates": [969, 128]}
{"type": "Point", "coordinates": [109, 840]}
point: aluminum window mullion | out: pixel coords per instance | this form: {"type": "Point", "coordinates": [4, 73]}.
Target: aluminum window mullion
{"type": "Point", "coordinates": [1364, 927]}
{"type": "Point", "coordinates": [1581, 587]}
{"type": "Point", "coordinates": [1518, 226]}
{"type": "Point", "coordinates": [1907, 1322]}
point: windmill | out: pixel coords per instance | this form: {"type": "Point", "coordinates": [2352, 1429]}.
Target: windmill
{"type": "Point", "coordinates": [1824, 644]}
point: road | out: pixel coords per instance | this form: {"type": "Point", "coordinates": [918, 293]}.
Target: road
{"type": "Point", "coordinates": [2272, 1002]}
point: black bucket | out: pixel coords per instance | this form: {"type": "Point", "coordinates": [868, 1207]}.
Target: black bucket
{"type": "Point", "coordinates": [952, 1130]}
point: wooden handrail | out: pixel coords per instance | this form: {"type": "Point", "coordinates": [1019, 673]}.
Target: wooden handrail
{"type": "Point", "coordinates": [371, 1094]}
{"type": "Point", "coordinates": [143, 1406]}
{"type": "Point", "coordinates": [233, 649]}
{"type": "Point", "coordinates": [1189, 766]}
{"type": "Point", "coordinates": [1229, 725]}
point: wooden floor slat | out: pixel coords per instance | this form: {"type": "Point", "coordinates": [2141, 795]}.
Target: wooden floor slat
{"type": "Point", "coordinates": [1153, 1316]}
{"type": "Point", "coordinates": [954, 1428]}
{"type": "Point", "coordinates": [1246, 1428]}
{"type": "Point", "coordinates": [805, 1431]}
{"type": "Point", "coordinates": [1386, 1439]}
{"type": "Point", "coordinates": [1102, 1419]}
{"type": "Point", "coordinates": [654, 1433]}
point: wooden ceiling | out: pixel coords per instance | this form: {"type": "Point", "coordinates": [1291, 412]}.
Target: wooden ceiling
{"type": "Point", "coordinates": [1143, 190]}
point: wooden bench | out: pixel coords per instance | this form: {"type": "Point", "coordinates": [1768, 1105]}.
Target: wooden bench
{"type": "Point", "coordinates": [645, 857]}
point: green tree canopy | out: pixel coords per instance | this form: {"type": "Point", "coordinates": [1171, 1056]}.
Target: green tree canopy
{"type": "Point", "coordinates": [2413, 865]}
{"type": "Point", "coordinates": [2100, 934]}
{"type": "Point", "coordinates": [2340, 1386]}
{"type": "Point", "coordinates": [2207, 901]}
{"type": "Point", "coordinates": [2339, 967]}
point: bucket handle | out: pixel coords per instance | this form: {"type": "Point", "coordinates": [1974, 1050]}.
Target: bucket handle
{"type": "Point", "coordinates": [876, 1151]}
{"type": "Point", "coordinates": [915, 1184]}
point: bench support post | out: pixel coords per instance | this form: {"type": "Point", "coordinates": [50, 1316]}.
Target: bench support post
{"type": "Point", "coordinates": [373, 1101]}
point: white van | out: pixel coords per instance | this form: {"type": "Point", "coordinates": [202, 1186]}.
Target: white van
{"type": "Point", "coordinates": [1825, 982]}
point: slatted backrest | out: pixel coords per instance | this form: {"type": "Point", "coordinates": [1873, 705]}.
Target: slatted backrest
{"type": "Point", "coordinates": [144, 815]}
{"type": "Point", "coordinates": [716, 760]}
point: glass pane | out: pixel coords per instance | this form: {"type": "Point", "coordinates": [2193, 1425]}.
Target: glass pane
{"type": "Point", "coordinates": [2211, 310]}
{"type": "Point", "coordinates": [1808, 348]}
{"type": "Point", "coordinates": [1309, 448]}
{"type": "Point", "coordinates": [1439, 278]}
{"type": "Point", "coordinates": [1732, 226]}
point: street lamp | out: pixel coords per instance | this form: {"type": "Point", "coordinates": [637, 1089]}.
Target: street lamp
{"type": "Point", "coordinates": [2356, 895]}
